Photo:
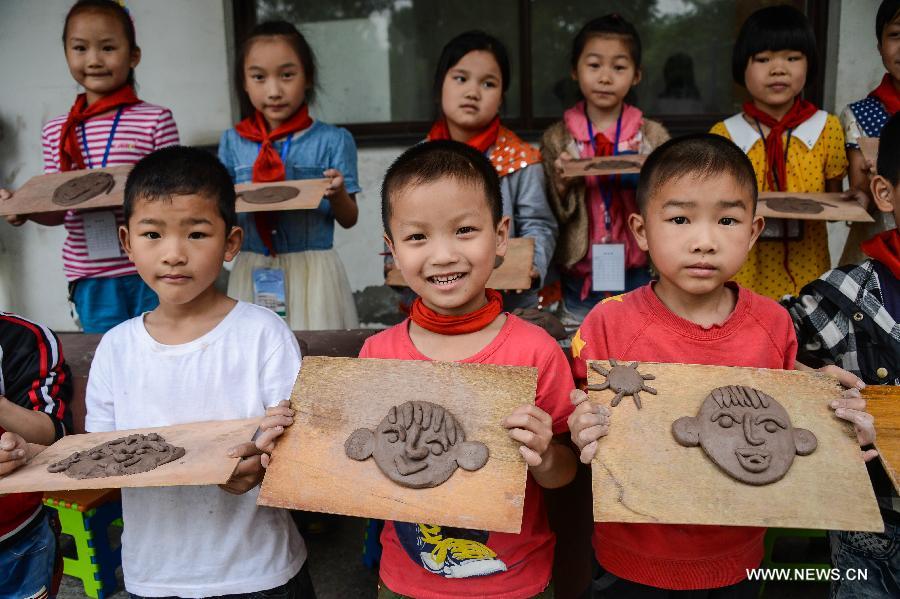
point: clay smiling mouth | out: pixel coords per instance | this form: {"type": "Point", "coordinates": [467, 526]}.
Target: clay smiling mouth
{"type": "Point", "coordinates": [405, 467]}
{"type": "Point", "coordinates": [752, 459]}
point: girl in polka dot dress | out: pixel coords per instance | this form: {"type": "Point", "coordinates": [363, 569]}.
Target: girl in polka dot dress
{"type": "Point", "coordinates": [593, 211]}
{"type": "Point", "coordinates": [793, 146]}
{"type": "Point", "coordinates": [470, 80]}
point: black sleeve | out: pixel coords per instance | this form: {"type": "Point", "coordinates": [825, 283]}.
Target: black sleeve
{"type": "Point", "coordinates": [33, 371]}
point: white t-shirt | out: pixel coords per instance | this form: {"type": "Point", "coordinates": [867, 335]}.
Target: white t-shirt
{"type": "Point", "coordinates": [198, 541]}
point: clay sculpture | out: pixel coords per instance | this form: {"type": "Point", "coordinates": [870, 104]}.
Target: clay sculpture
{"type": "Point", "coordinates": [125, 455]}
{"type": "Point", "coordinates": [81, 189]}
{"type": "Point", "coordinates": [417, 445]}
{"type": "Point", "coordinates": [793, 205]}
{"type": "Point", "coordinates": [746, 433]}
{"type": "Point", "coordinates": [624, 379]}
{"type": "Point", "coordinates": [609, 165]}
{"type": "Point", "coordinates": [271, 194]}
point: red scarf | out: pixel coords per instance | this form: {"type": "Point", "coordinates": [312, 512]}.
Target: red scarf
{"type": "Point", "coordinates": [70, 157]}
{"type": "Point", "coordinates": [268, 165]}
{"type": "Point", "coordinates": [887, 94]}
{"type": "Point", "coordinates": [443, 324]}
{"type": "Point", "coordinates": [885, 247]}
{"type": "Point", "coordinates": [481, 142]}
{"type": "Point", "coordinates": [776, 168]}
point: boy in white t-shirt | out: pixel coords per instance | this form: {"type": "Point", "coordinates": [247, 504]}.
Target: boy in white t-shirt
{"type": "Point", "coordinates": [199, 356]}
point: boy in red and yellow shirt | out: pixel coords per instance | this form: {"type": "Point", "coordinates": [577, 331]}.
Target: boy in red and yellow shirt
{"type": "Point", "coordinates": [697, 202]}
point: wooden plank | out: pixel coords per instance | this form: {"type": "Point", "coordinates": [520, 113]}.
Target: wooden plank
{"type": "Point", "coordinates": [883, 402]}
{"type": "Point", "coordinates": [309, 195]}
{"type": "Point", "coordinates": [335, 396]}
{"type": "Point", "coordinates": [205, 461]}
{"type": "Point", "coordinates": [869, 148]}
{"type": "Point", "coordinates": [623, 164]}
{"type": "Point", "coordinates": [36, 195]}
{"type": "Point", "coordinates": [513, 273]}
{"type": "Point", "coordinates": [810, 206]}
{"type": "Point", "coordinates": [642, 474]}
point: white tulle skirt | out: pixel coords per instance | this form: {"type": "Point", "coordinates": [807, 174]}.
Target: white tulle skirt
{"type": "Point", "coordinates": [317, 291]}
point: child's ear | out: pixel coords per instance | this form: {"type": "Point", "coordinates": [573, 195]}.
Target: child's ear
{"type": "Point", "coordinates": [390, 244]}
{"type": "Point", "coordinates": [135, 57]}
{"type": "Point", "coordinates": [756, 229]}
{"type": "Point", "coordinates": [637, 77]}
{"type": "Point", "coordinates": [882, 193]}
{"type": "Point", "coordinates": [125, 241]}
{"type": "Point", "coordinates": [639, 230]}
{"type": "Point", "coordinates": [233, 243]}
{"type": "Point", "coordinates": [503, 236]}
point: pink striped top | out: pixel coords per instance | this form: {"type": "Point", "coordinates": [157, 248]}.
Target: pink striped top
{"type": "Point", "coordinates": [142, 129]}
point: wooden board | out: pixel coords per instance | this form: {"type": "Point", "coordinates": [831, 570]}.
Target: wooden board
{"type": "Point", "coordinates": [513, 273]}
{"type": "Point", "coordinates": [883, 402]}
{"type": "Point", "coordinates": [642, 474]}
{"type": "Point", "coordinates": [205, 461]}
{"type": "Point", "coordinates": [335, 396]}
{"type": "Point", "coordinates": [311, 193]}
{"type": "Point", "coordinates": [624, 164]}
{"type": "Point", "coordinates": [869, 148]}
{"type": "Point", "coordinates": [834, 207]}
{"type": "Point", "coordinates": [36, 195]}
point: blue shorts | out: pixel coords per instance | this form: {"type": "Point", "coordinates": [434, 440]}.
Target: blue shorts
{"type": "Point", "coordinates": [102, 303]}
{"type": "Point", "coordinates": [26, 565]}
{"type": "Point", "coordinates": [877, 555]}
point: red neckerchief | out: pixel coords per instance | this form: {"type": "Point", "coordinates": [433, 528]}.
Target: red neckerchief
{"type": "Point", "coordinates": [481, 141]}
{"type": "Point", "coordinates": [885, 247]}
{"type": "Point", "coordinates": [776, 169]}
{"type": "Point", "coordinates": [443, 324]}
{"type": "Point", "coordinates": [70, 157]}
{"type": "Point", "coordinates": [887, 94]}
{"type": "Point", "coordinates": [268, 165]}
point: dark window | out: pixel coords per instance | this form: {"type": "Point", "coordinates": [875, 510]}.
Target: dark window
{"type": "Point", "coordinates": [376, 58]}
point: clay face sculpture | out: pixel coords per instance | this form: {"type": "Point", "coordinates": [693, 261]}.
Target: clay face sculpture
{"type": "Point", "coordinates": [624, 379]}
{"type": "Point", "coordinates": [746, 433]}
{"type": "Point", "coordinates": [269, 195]}
{"type": "Point", "coordinates": [418, 445]}
{"type": "Point", "coordinates": [608, 165]}
{"type": "Point", "coordinates": [797, 205]}
{"type": "Point", "coordinates": [81, 189]}
{"type": "Point", "coordinates": [125, 455]}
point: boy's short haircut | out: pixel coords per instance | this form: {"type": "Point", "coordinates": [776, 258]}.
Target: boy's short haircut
{"type": "Point", "coordinates": [773, 29]}
{"type": "Point", "coordinates": [887, 12]}
{"type": "Point", "coordinates": [432, 161]}
{"type": "Point", "coordinates": [179, 170]}
{"type": "Point", "coordinates": [701, 155]}
{"type": "Point", "coordinates": [889, 151]}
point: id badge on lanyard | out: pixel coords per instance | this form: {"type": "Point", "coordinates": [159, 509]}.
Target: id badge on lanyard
{"type": "Point", "coordinates": [607, 259]}
{"type": "Point", "coordinates": [101, 235]}
{"type": "Point", "coordinates": [269, 290]}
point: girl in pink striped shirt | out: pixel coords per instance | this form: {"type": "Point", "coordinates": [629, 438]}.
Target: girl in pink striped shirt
{"type": "Point", "coordinates": [107, 126]}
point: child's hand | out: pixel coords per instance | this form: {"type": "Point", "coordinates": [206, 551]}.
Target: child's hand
{"type": "Point", "coordinates": [856, 195]}
{"type": "Point", "coordinates": [13, 452]}
{"type": "Point", "coordinates": [562, 183]}
{"type": "Point", "coordinates": [337, 182]}
{"type": "Point", "coordinates": [587, 424]}
{"type": "Point", "coordinates": [533, 427]}
{"type": "Point", "coordinates": [273, 425]}
{"type": "Point", "coordinates": [852, 408]}
{"type": "Point", "coordinates": [16, 220]}
{"type": "Point", "coordinates": [249, 471]}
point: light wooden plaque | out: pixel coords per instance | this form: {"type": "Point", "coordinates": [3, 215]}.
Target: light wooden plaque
{"type": "Point", "coordinates": [622, 164]}
{"type": "Point", "coordinates": [810, 206]}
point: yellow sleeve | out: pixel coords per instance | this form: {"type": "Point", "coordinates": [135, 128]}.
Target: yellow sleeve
{"type": "Point", "coordinates": [720, 129]}
{"type": "Point", "coordinates": [835, 153]}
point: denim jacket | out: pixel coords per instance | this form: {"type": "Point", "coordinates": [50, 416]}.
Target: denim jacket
{"type": "Point", "coordinates": [311, 152]}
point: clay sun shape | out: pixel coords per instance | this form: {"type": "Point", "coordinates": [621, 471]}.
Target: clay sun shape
{"type": "Point", "coordinates": [624, 379]}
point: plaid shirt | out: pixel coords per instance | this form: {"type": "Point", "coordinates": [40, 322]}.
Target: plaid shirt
{"type": "Point", "coordinates": [840, 319]}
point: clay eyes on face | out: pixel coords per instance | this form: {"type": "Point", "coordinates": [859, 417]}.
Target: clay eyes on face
{"type": "Point", "coordinates": [724, 420]}
{"type": "Point", "coordinates": [770, 423]}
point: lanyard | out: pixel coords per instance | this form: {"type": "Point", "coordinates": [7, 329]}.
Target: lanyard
{"type": "Point", "coordinates": [605, 191]}
{"type": "Point", "coordinates": [787, 147]}
{"type": "Point", "coordinates": [285, 148]}
{"type": "Point", "coordinates": [112, 134]}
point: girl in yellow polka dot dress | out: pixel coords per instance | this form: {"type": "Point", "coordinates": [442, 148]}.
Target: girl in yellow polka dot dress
{"type": "Point", "coordinates": [793, 146]}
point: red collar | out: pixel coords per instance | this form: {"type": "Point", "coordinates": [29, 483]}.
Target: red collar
{"type": "Point", "coordinates": [443, 324]}
{"type": "Point", "coordinates": [885, 247]}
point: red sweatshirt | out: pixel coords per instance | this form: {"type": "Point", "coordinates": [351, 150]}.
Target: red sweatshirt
{"type": "Point", "coordinates": [33, 375]}
{"type": "Point", "coordinates": [638, 326]}
{"type": "Point", "coordinates": [431, 562]}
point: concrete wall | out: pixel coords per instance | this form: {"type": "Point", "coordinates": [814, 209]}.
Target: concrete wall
{"type": "Point", "coordinates": [186, 65]}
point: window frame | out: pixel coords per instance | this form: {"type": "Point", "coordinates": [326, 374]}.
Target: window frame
{"type": "Point", "coordinates": [528, 125]}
